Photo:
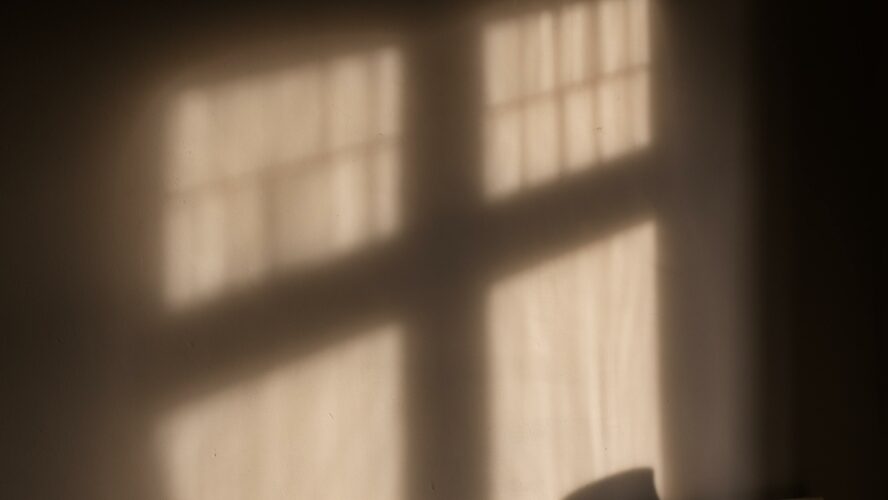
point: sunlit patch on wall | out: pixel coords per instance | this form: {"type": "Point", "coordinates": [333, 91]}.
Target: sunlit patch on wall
{"type": "Point", "coordinates": [279, 171]}
{"type": "Point", "coordinates": [329, 427]}
{"type": "Point", "coordinates": [565, 89]}
{"type": "Point", "coordinates": [573, 369]}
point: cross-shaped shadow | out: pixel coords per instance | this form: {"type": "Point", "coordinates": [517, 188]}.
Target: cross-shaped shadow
{"type": "Point", "coordinates": [249, 308]}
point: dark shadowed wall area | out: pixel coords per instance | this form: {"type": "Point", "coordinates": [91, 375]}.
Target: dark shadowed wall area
{"type": "Point", "coordinates": [822, 335]}
{"type": "Point", "coordinates": [748, 192]}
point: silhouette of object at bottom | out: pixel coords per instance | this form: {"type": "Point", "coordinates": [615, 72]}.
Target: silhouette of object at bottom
{"type": "Point", "coordinates": [634, 484]}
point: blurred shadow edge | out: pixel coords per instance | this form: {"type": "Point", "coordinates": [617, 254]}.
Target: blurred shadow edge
{"type": "Point", "coordinates": [633, 484]}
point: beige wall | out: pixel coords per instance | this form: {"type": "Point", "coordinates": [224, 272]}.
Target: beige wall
{"type": "Point", "coordinates": [103, 357]}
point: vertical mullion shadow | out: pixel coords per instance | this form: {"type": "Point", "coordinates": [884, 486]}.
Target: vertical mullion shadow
{"type": "Point", "coordinates": [445, 345]}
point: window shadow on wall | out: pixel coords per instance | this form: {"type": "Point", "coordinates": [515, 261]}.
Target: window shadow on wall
{"type": "Point", "coordinates": [286, 238]}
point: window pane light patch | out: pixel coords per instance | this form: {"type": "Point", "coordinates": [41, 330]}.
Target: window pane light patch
{"type": "Point", "coordinates": [329, 427]}
{"type": "Point", "coordinates": [280, 171]}
{"type": "Point", "coordinates": [573, 369]}
{"type": "Point", "coordinates": [565, 89]}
